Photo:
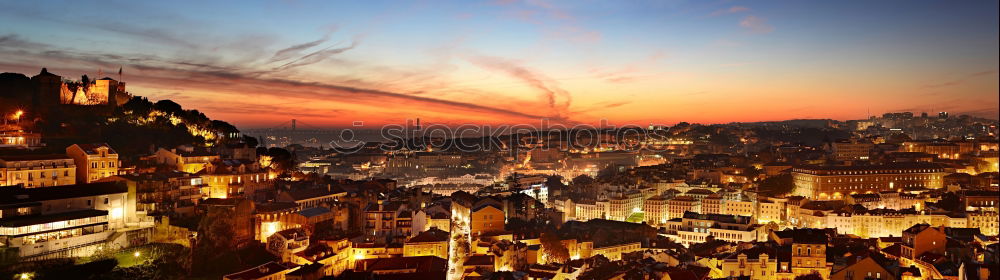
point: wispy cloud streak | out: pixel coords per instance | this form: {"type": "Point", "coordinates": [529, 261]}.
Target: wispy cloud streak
{"type": "Point", "coordinates": [549, 88]}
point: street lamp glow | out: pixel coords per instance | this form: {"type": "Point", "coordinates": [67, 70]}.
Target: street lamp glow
{"type": "Point", "coordinates": [136, 254]}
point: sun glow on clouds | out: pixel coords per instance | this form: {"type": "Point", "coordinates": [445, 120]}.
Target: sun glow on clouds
{"type": "Point", "coordinates": [513, 61]}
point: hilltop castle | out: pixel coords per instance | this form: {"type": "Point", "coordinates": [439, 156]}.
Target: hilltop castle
{"type": "Point", "coordinates": [52, 89]}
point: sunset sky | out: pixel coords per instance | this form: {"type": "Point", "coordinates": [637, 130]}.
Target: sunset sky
{"type": "Point", "coordinates": [510, 61]}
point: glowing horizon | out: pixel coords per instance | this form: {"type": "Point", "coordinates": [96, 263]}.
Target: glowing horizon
{"type": "Point", "coordinates": [510, 61]}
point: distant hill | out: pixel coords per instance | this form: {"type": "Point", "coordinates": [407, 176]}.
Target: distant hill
{"type": "Point", "coordinates": [16, 90]}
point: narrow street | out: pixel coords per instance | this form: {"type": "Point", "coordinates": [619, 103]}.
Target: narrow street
{"type": "Point", "coordinates": [458, 245]}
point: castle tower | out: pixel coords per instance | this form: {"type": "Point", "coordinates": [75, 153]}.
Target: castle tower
{"type": "Point", "coordinates": [47, 88]}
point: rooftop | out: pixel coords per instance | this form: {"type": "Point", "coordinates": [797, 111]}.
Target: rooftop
{"type": "Point", "coordinates": [34, 157]}
{"type": "Point", "coordinates": [431, 235]}
{"type": "Point", "coordinates": [419, 264]}
{"type": "Point", "coordinates": [315, 211]}
{"type": "Point", "coordinates": [17, 194]}
{"type": "Point", "coordinates": [92, 148]}
{"type": "Point", "coordinates": [28, 220]}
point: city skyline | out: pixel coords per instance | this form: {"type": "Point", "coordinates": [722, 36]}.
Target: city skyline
{"type": "Point", "coordinates": [500, 139]}
{"type": "Point", "coordinates": [499, 62]}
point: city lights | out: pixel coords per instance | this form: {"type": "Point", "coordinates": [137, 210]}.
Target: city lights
{"type": "Point", "coordinates": [500, 139]}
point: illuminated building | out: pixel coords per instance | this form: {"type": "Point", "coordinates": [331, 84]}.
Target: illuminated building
{"type": "Point", "coordinates": [923, 238]}
{"type": "Point", "coordinates": [540, 193]}
{"type": "Point", "coordinates": [759, 262]}
{"type": "Point", "coordinates": [945, 150]}
{"type": "Point", "coordinates": [51, 90]}
{"type": "Point", "coordinates": [621, 205]}
{"type": "Point", "coordinates": [694, 228]}
{"type": "Point", "coordinates": [361, 251]}
{"type": "Point", "coordinates": [868, 200]}
{"type": "Point", "coordinates": [309, 218]}
{"type": "Point", "coordinates": [270, 218]}
{"type": "Point", "coordinates": [981, 199]}
{"type": "Point", "coordinates": [729, 177]}
{"type": "Point", "coordinates": [586, 210]}
{"type": "Point", "coordinates": [66, 221]}
{"type": "Point", "coordinates": [486, 218]}
{"type": "Point", "coordinates": [313, 197]}
{"type": "Point", "coordinates": [405, 267]}
{"type": "Point", "coordinates": [899, 200]}
{"type": "Point", "coordinates": [278, 216]}
{"type": "Point", "coordinates": [99, 92]}
{"type": "Point", "coordinates": [286, 243]}
{"type": "Point", "coordinates": [988, 161]}
{"type": "Point", "coordinates": [872, 266]}
{"type": "Point", "coordinates": [93, 161]}
{"type": "Point", "coordinates": [835, 182]}
{"type": "Point", "coordinates": [190, 161]}
{"type": "Point", "coordinates": [432, 164]}
{"type": "Point", "coordinates": [699, 193]}
{"type": "Point", "coordinates": [987, 221]}
{"type": "Point", "coordinates": [448, 189]}
{"type": "Point", "coordinates": [388, 218]}
{"type": "Point", "coordinates": [614, 252]}
{"type": "Point", "coordinates": [713, 204]}
{"type": "Point", "coordinates": [677, 206]}
{"type": "Point", "coordinates": [510, 255]}
{"type": "Point", "coordinates": [334, 255]}
{"type": "Point", "coordinates": [851, 150]}
{"type": "Point", "coordinates": [771, 210]}
{"type": "Point", "coordinates": [741, 207]}
{"type": "Point", "coordinates": [435, 216]}
{"type": "Point", "coordinates": [19, 139]}
{"type": "Point", "coordinates": [233, 178]}
{"type": "Point", "coordinates": [655, 210]}
{"type": "Point", "coordinates": [809, 253]}
{"type": "Point", "coordinates": [467, 179]}
{"type": "Point", "coordinates": [164, 192]}
{"type": "Point", "coordinates": [433, 242]}
{"type": "Point", "coordinates": [33, 171]}
{"type": "Point", "coordinates": [883, 222]}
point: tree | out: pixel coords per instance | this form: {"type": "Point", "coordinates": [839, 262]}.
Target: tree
{"type": "Point", "coordinates": [250, 141]}
{"type": "Point", "coordinates": [168, 106]}
{"type": "Point", "coordinates": [215, 238]}
{"type": "Point", "coordinates": [277, 159]}
{"type": "Point", "coordinates": [752, 172]}
{"type": "Point", "coordinates": [582, 180]}
{"type": "Point", "coordinates": [222, 127]}
{"type": "Point", "coordinates": [553, 248]}
{"type": "Point", "coordinates": [950, 201]}
{"type": "Point", "coordinates": [554, 181]}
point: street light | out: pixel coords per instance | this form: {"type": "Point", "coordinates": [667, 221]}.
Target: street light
{"type": "Point", "coordinates": [16, 116]}
{"type": "Point", "coordinates": [136, 254]}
